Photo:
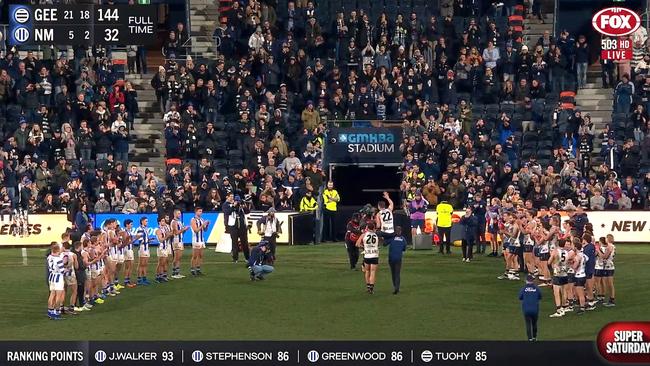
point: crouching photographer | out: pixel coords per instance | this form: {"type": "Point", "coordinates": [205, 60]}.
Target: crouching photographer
{"type": "Point", "coordinates": [256, 263]}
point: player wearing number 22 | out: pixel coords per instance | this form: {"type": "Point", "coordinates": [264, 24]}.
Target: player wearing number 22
{"type": "Point", "coordinates": [369, 241]}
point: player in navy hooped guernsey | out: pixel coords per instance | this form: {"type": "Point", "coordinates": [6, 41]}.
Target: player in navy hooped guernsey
{"type": "Point", "coordinates": [530, 296]}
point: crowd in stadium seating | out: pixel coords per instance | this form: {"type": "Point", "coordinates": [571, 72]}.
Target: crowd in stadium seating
{"type": "Point", "coordinates": [65, 124]}
{"type": "Point", "coordinates": [480, 111]}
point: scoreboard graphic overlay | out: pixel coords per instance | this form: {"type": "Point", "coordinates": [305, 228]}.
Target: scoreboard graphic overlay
{"type": "Point", "coordinates": [82, 25]}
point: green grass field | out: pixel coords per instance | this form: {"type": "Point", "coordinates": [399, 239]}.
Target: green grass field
{"type": "Point", "coordinates": [314, 296]}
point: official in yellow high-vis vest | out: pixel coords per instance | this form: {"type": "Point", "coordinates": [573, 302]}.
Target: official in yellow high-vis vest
{"type": "Point", "coordinates": [331, 200]}
{"type": "Point", "coordinates": [443, 223]}
{"type": "Point", "coordinates": [308, 203]}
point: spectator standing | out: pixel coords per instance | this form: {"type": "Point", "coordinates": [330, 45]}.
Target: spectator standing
{"type": "Point", "coordinates": [623, 93]}
{"type": "Point", "coordinates": [581, 60]}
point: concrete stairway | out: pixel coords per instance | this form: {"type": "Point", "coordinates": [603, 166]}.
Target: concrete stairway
{"type": "Point", "coordinates": [598, 103]}
{"type": "Point", "coordinates": [204, 18]}
{"type": "Point", "coordinates": [533, 29]}
{"type": "Point", "coordinates": [146, 148]}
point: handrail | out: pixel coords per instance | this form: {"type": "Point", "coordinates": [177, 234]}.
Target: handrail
{"type": "Point", "coordinates": [365, 122]}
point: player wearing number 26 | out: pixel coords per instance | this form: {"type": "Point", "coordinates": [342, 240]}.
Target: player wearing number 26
{"type": "Point", "coordinates": [369, 241]}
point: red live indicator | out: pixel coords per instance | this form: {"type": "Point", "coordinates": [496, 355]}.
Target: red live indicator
{"type": "Point", "coordinates": [625, 342]}
{"type": "Point", "coordinates": [616, 55]}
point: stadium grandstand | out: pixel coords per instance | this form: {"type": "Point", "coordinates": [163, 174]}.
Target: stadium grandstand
{"type": "Point", "coordinates": [496, 98]}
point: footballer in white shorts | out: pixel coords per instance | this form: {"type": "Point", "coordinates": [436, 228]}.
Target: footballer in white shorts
{"type": "Point", "coordinates": [56, 282]}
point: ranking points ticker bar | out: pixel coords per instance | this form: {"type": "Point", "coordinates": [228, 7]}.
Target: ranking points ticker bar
{"type": "Point", "coordinates": [357, 353]}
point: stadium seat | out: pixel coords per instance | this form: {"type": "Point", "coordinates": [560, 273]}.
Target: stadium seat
{"type": "Point", "coordinates": [516, 20]}
{"type": "Point", "coordinates": [173, 162]}
{"type": "Point", "coordinates": [530, 138]}
{"type": "Point", "coordinates": [507, 108]}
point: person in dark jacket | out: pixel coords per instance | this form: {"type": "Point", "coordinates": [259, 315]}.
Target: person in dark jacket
{"type": "Point", "coordinates": [256, 267]}
{"type": "Point", "coordinates": [82, 220]}
{"type": "Point", "coordinates": [121, 144]}
{"type": "Point", "coordinates": [582, 60]}
{"type": "Point", "coordinates": [173, 140]}
{"type": "Point", "coordinates": [470, 225]}
{"type": "Point", "coordinates": [623, 95]}
{"type": "Point", "coordinates": [351, 236]}
{"type": "Point", "coordinates": [397, 246]}
{"type": "Point", "coordinates": [580, 219]}
{"type": "Point", "coordinates": [479, 208]}
{"type": "Point", "coordinates": [530, 296]}
{"type": "Point", "coordinates": [236, 225]}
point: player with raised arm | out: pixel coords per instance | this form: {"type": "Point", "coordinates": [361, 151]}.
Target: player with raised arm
{"type": "Point", "coordinates": [199, 227]}
{"type": "Point", "coordinates": [369, 241]}
{"type": "Point", "coordinates": [143, 251]}
{"type": "Point", "coordinates": [178, 229]}
{"type": "Point", "coordinates": [127, 241]}
{"type": "Point", "coordinates": [384, 218]}
{"type": "Point", "coordinates": [164, 236]}
{"type": "Point", "coordinates": [558, 261]}
{"type": "Point", "coordinates": [56, 269]}
{"type": "Point", "coordinates": [606, 254]}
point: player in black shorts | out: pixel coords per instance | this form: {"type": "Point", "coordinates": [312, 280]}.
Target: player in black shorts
{"type": "Point", "coordinates": [369, 241]}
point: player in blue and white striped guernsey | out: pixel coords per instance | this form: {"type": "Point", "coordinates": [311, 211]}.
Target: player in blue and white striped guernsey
{"type": "Point", "coordinates": [142, 234]}
{"type": "Point", "coordinates": [164, 235]}
{"type": "Point", "coordinates": [199, 226]}
{"type": "Point", "coordinates": [110, 242]}
{"type": "Point", "coordinates": [56, 269]}
{"type": "Point", "coordinates": [121, 248]}
{"type": "Point", "coordinates": [178, 229]}
{"type": "Point", "coordinates": [127, 241]}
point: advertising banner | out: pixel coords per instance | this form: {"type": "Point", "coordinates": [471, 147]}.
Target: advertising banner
{"type": "Point", "coordinates": [38, 229]}
{"type": "Point", "coordinates": [152, 224]}
{"type": "Point", "coordinates": [626, 226]}
{"type": "Point", "coordinates": [364, 145]}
